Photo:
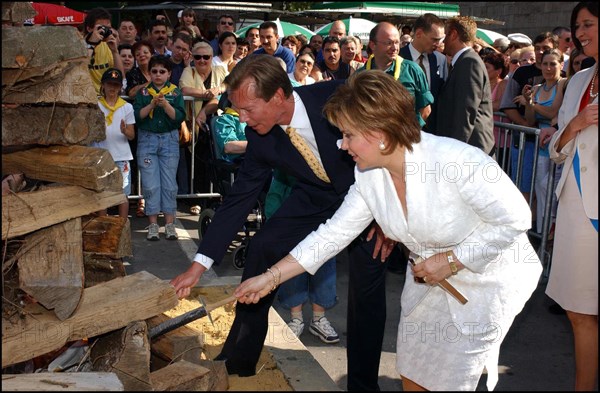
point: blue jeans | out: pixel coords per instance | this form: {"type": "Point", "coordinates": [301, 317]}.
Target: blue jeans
{"type": "Point", "coordinates": [158, 156]}
{"type": "Point", "coordinates": [318, 288]}
{"type": "Point", "coordinates": [526, 166]}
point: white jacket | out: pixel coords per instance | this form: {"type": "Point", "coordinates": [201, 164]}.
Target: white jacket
{"type": "Point", "coordinates": [458, 199]}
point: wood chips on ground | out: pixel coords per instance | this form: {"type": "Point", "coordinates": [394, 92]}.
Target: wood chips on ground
{"type": "Point", "coordinates": [268, 376]}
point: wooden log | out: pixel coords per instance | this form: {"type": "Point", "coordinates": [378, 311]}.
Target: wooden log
{"type": "Point", "coordinates": [218, 379]}
{"type": "Point", "coordinates": [182, 343]}
{"type": "Point", "coordinates": [52, 270]}
{"type": "Point", "coordinates": [16, 11]}
{"type": "Point", "coordinates": [89, 167]}
{"type": "Point", "coordinates": [126, 352]}
{"type": "Point", "coordinates": [103, 308]}
{"type": "Point", "coordinates": [98, 269]}
{"type": "Point", "coordinates": [70, 84]}
{"type": "Point", "coordinates": [52, 125]}
{"type": "Point", "coordinates": [64, 382]}
{"type": "Point", "coordinates": [26, 212]}
{"type": "Point", "coordinates": [180, 376]}
{"type": "Point", "coordinates": [37, 51]}
{"type": "Point", "coordinates": [108, 236]}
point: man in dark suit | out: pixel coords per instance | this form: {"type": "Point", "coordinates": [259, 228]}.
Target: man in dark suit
{"type": "Point", "coordinates": [428, 35]}
{"type": "Point", "coordinates": [464, 104]}
{"type": "Point", "coordinates": [261, 92]}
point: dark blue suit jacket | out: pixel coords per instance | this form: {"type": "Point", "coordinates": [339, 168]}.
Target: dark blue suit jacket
{"type": "Point", "coordinates": [311, 199]}
{"type": "Point", "coordinates": [436, 80]}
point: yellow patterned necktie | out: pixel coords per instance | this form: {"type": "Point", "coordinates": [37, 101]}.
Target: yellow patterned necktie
{"type": "Point", "coordinates": [166, 89]}
{"type": "Point", "coordinates": [111, 109]}
{"type": "Point", "coordinates": [307, 154]}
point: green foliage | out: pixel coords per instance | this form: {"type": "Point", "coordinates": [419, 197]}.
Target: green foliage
{"type": "Point", "coordinates": [297, 5]}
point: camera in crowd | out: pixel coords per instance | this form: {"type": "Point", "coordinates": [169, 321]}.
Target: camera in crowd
{"type": "Point", "coordinates": [105, 31]}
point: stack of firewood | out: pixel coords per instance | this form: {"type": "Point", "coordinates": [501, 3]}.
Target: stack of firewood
{"type": "Point", "coordinates": [63, 278]}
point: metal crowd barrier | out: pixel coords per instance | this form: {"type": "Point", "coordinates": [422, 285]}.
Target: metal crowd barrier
{"type": "Point", "coordinates": [508, 131]}
{"type": "Point", "coordinates": [192, 166]}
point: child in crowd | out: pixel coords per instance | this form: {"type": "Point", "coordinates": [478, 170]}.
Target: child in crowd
{"type": "Point", "coordinates": [159, 110]}
{"type": "Point", "coordinates": [119, 118]}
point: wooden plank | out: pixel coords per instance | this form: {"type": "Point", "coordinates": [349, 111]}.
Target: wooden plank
{"type": "Point", "coordinates": [51, 271]}
{"type": "Point", "coordinates": [39, 51]}
{"type": "Point", "coordinates": [126, 352]}
{"type": "Point", "coordinates": [218, 379]}
{"type": "Point", "coordinates": [98, 269]}
{"type": "Point", "coordinates": [89, 167]}
{"type": "Point", "coordinates": [182, 343]}
{"type": "Point", "coordinates": [70, 84]}
{"type": "Point", "coordinates": [103, 308]}
{"type": "Point", "coordinates": [52, 125]}
{"type": "Point", "coordinates": [180, 376]}
{"type": "Point", "coordinates": [108, 236]}
{"type": "Point", "coordinates": [67, 382]}
{"type": "Point", "coordinates": [26, 212]}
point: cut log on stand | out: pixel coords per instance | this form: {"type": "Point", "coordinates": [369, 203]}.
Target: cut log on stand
{"type": "Point", "coordinates": [181, 376]}
{"type": "Point", "coordinates": [125, 352]}
{"type": "Point", "coordinates": [103, 308]}
{"type": "Point", "coordinates": [182, 343]}
{"type": "Point", "coordinates": [89, 167]}
{"type": "Point", "coordinates": [52, 270]}
{"type": "Point", "coordinates": [64, 382]}
{"type": "Point", "coordinates": [26, 212]}
{"type": "Point", "coordinates": [53, 125]}
{"type": "Point", "coordinates": [108, 236]}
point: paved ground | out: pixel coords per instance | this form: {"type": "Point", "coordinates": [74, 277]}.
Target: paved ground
{"type": "Point", "coordinates": [537, 354]}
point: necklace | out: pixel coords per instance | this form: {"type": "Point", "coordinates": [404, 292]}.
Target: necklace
{"type": "Point", "coordinates": [548, 88]}
{"type": "Point", "coordinates": [594, 95]}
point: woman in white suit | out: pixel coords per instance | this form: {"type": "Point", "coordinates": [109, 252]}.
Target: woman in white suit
{"type": "Point", "coordinates": [573, 281]}
{"type": "Point", "coordinates": [458, 213]}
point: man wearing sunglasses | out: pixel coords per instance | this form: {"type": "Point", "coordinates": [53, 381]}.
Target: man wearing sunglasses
{"type": "Point", "coordinates": [226, 23]}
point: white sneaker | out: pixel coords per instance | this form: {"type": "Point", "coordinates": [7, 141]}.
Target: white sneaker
{"type": "Point", "coordinates": [297, 326]}
{"type": "Point", "coordinates": [323, 329]}
{"type": "Point", "coordinates": [171, 232]}
{"type": "Point", "coordinates": [153, 232]}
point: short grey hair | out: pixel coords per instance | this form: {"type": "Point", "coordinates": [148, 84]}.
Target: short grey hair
{"type": "Point", "coordinates": [204, 45]}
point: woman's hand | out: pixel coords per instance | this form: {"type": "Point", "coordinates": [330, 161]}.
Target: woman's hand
{"type": "Point", "coordinates": [254, 288]}
{"type": "Point", "coordinates": [521, 100]}
{"type": "Point", "coordinates": [435, 268]}
{"type": "Point", "coordinates": [545, 135]}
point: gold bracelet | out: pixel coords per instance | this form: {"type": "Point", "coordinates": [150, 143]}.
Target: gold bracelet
{"type": "Point", "coordinates": [274, 280]}
{"type": "Point", "coordinates": [279, 270]}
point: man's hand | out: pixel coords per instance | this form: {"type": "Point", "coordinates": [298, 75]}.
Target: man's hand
{"type": "Point", "coordinates": [185, 281]}
{"type": "Point", "coordinates": [382, 243]}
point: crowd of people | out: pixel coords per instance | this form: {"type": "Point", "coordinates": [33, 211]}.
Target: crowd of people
{"type": "Point", "coordinates": [345, 137]}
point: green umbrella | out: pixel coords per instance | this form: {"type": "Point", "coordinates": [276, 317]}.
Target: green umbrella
{"type": "Point", "coordinates": [354, 26]}
{"type": "Point", "coordinates": [489, 36]}
{"type": "Point", "coordinates": [283, 29]}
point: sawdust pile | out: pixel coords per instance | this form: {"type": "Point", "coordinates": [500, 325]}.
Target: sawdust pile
{"type": "Point", "coordinates": [268, 376]}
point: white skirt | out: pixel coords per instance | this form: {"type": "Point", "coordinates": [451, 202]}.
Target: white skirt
{"type": "Point", "coordinates": [433, 352]}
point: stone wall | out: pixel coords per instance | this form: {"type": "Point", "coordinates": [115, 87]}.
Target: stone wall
{"type": "Point", "coordinates": [530, 18]}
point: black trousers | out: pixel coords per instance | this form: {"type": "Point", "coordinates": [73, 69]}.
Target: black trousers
{"type": "Point", "coordinates": [366, 303]}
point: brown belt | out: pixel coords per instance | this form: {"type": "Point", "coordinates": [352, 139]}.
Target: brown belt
{"type": "Point", "coordinates": [444, 284]}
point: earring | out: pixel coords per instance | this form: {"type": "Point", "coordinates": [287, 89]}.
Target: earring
{"type": "Point", "coordinates": [381, 145]}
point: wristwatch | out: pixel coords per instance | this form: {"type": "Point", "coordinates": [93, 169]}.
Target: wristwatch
{"type": "Point", "coordinates": [453, 267]}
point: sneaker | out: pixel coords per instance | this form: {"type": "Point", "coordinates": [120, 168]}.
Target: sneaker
{"type": "Point", "coordinates": [153, 232]}
{"type": "Point", "coordinates": [171, 232]}
{"type": "Point", "coordinates": [297, 326]}
{"type": "Point", "coordinates": [323, 329]}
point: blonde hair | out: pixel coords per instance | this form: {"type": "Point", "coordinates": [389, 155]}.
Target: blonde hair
{"type": "Point", "coordinates": [205, 45]}
{"type": "Point", "coordinates": [374, 101]}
